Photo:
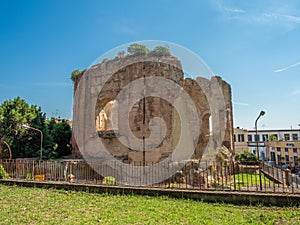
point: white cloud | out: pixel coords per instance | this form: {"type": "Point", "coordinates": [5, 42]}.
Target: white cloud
{"type": "Point", "coordinates": [286, 68]}
{"type": "Point", "coordinates": [226, 9]}
{"type": "Point", "coordinates": [297, 92]}
{"type": "Point", "coordinates": [275, 14]}
{"type": "Point", "coordinates": [287, 18]}
{"type": "Point", "coordinates": [240, 103]}
{"type": "Point", "coordinates": [234, 10]}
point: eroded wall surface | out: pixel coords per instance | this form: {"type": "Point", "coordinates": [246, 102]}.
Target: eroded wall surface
{"type": "Point", "coordinates": [202, 91]}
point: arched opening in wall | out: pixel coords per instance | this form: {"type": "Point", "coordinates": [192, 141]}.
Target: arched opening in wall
{"type": "Point", "coordinates": [105, 120]}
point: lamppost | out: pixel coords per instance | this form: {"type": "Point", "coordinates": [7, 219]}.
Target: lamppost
{"type": "Point", "coordinates": [9, 149]}
{"type": "Point", "coordinates": [256, 135]}
{"type": "Point", "coordinates": [28, 127]}
{"type": "Point", "coordinates": [257, 150]}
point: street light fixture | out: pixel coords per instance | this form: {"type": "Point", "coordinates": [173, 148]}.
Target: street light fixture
{"type": "Point", "coordinates": [257, 151]}
{"type": "Point", "coordinates": [28, 127]}
{"type": "Point", "coordinates": [256, 135]}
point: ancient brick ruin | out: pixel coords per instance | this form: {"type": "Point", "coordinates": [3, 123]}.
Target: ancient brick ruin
{"type": "Point", "coordinates": [141, 113]}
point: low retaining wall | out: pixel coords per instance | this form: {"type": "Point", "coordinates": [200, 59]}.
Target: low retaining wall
{"type": "Point", "coordinates": [267, 199]}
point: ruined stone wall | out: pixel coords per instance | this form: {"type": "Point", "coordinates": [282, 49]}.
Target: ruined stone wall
{"type": "Point", "coordinates": [146, 109]}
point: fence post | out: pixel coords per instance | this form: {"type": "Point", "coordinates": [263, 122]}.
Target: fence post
{"type": "Point", "coordinates": [287, 177]}
{"type": "Point", "coordinates": [33, 175]}
{"type": "Point", "coordinates": [233, 172]}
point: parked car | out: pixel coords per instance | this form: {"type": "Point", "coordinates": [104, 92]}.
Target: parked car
{"type": "Point", "coordinates": [270, 163]}
{"type": "Point", "coordinates": [286, 166]}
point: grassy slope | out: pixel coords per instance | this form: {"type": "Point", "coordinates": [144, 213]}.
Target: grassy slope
{"type": "Point", "coordinates": [19, 205]}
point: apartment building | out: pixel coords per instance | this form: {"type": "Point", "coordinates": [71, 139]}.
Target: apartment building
{"type": "Point", "coordinates": [284, 152]}
{"type": "Point", "coordinates": [240, 140]}
{"type": "Point", "coordinates": [248, 138]}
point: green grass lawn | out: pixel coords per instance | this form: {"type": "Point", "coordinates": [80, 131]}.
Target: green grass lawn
{"type": "Point", "coordinates": [19, 205]}
{"type": "Point", "coordinates": [250, 179]}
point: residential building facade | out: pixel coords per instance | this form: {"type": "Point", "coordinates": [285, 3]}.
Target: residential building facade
{"type": "Point", "coordinates": [284, 152]}
{"type": "Point", "coordinates": [267, 140]}
{"type": "Point", "coordinates": [240, 140]}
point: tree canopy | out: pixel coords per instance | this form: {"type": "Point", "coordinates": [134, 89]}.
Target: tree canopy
{"type": "Point", "coordinates": [160, 51]}
{"type": "Point", "coordinates": [137, 49]}
{"type": "Point", "coordinates": [246, 157]}
{"type": "Point", "coordinates": [26, 142]}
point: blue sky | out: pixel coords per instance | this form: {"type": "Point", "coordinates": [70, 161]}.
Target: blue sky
{"type": "Point", "coordinates": [253, 45]}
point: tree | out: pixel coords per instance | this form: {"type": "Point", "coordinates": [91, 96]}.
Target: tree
{"type": "Point", "coordinates": [272, 137]}
{"type": "Point", "coordinates": [75, 74]}
{"type": "Point", "coordinates": [246, 157]}
{"type": "Point", "coordinates": [137, 49]}
{"type": "Point", "coordinates": [60, 132]}
{"type": "Point", "coordinates": [160, 51]}
{"type": "Point", "coordinates": [26, 142]}
{"type": "Point", "coordinates": [14, 113]}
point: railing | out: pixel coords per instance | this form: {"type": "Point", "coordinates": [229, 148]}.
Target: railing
{"type": "Point", "coordinates": [194, 174]}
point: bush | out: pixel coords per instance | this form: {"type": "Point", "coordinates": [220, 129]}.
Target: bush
{"type": "Point", "coordinates": [109, 180]}
{"type": "Point", "coordinates": [75, 74]}
{"type": "Point", "coordinates": [160, 51]}
{"type": "Point", "coordinates": [137, 49]}
{"type": "Point", "coordinates": [246, 157]}
{"type": "Point", "coordinates": [3, 173]}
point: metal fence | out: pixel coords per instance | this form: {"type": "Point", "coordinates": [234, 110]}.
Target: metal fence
{"type": "Point", "coordinates": [194, 174]}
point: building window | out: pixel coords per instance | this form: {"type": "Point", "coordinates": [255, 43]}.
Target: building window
{"type": "Point", "coordinates": [287, 158]}
{"type": "Point", "coordinates": [296, 160]}
{"type": "Point", "coordinates": [295, 137]}
{"type": "Point", "coordinates": [241, 138]}
{"type": "Point", "coordinates": [249, 137]}
{"type": "Point", "coordinates": [234, 138]}
{"type": "Point", "coordinates": [278, 151]}
{"type": "Point", "coordinates": [294, 150]}
{"type": "Point", "coordinates": [265, 137]}
{"type": "Point", "coordinates": [286, 150]}
{"type": "Point", "coordinates": [273, 156]}
{"type": "Point", "coordinates": [256, 137]}
{"type": "Point", "coordinates": [286, 137]}
{"type": "Point", "coordinates": [279, 159]}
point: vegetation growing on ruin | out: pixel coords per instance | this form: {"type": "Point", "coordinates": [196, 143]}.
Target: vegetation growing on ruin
{"type": "Point", "coordinates": [134, 49]}
{"type": "Point", "coordinates": [75, 74]}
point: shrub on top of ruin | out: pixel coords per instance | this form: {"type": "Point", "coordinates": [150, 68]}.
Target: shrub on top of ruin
{"type": "Point", "coordinates": [121, 54]}
{"type": "Point", "coordinates": [105, 60]}
{"type": "Point", "coordinates": [74, 74]}
{"type": "Point", "coordinates": [137, 49]}
{"type": "Point", "coordinates": [160, 51]}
